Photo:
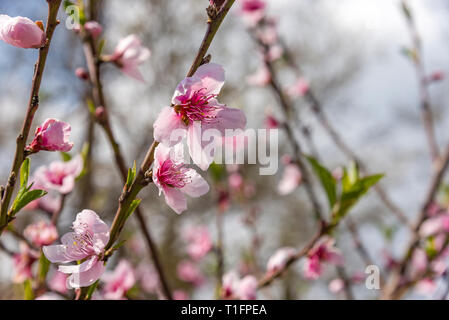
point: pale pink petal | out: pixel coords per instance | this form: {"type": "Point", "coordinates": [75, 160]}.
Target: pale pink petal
{"type": "Point", "coordinates": [166, 122]}
{"type": "Point", "coordinates": [86, 278]}
{"type": "Point", "coordinates": [198, 185]}
{"type": "Point", "coordinates": [212, 77]}
{"type": "Point", "coordinates": [175, 199]}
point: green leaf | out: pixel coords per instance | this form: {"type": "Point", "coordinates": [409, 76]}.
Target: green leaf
{"type": "Point", "coordinates": [350, 197]}
{"type": "Point", "coordinates": [131, 175]}
{"type": "Point", "coordinates": [217, 171]}
{"type": "Point", "coordinates": [350, 176]}
{"type": "Point", "coordinates": [28, 290]}
{"type": "Point", "coordinates": [24, 173]}
{"type": "Point", "coordinates": [84, 154]}
{"type": "Point", "coordinates": [67, 4]}
{"type": "Point", "coordinates": [44, 266]}
{"type": "Point", "coordinates": [133, 207]}
{"type": "Point", "coordinates": [101, 46]}
{"type": "Point", "coordinates": [24, 198]}
{"type": "Point", "coordinates": [326, 179]}
{"type": "Point", "coordinates": [91, 290]}
{"type": "Point", "coordinates": [66, 157]}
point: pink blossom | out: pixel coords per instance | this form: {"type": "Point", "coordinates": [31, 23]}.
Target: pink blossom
{"type": "Point", "coordinates": [49, 296]}
{"type": "Point", "coordinates": [235, 181]}
{"type": "Point", "coordinates": [175, 179]}
{"type": "Point", "coordinates": [41, 233]}
{"type": "Point", "coordinates": [271, 122]}
{"type": "Point", "coordinates": [119, 281]}
{"type": "Point", "coordinates": [435, 225]}
{"type": "Point", "coordinates": [436, 76]}
{"type": "Point", "coordinates": [253, 11]}
{"type": "Point", "coordinates": [129, 54]}
{"type": "Point", "coordinates": [336, 286]}
{"type": "Point", "coordinates": [323, 251]}
{"type": "Point", "coordinates": [279, 259]}
{"type": "Point", "coordinates": [87, 242]}
{"type": "Point", "coordinates": [419, 260]}
{"type": "Point", "coordinates": [58, 282]}
{"type": "Point", "coordinates": [93, 28]}
{"type": "Point", "coordinates": [180, 295]}
{"type": "Point", "coordinates": [196, 109]}
{"type": "Point", "coordinates": [59, 175]}
{"type": "Point", "coordinates": [21, 32]}
{"type": "Point", "coordinates": [49, 203]}
{"type": "Point", "coordinates": [235, 288]}
{"type": "Point", "coordinates": [149, 279]}
{"type": "Point", "coordinates": [261, 78]}
{"type": "Point", "coordinates": [189, 272]}
{"type": "Point", "coordinates": [275, 52]}
{"type": "Point", "coordinates": [299, 88]}
{"type": "Point", "coordinates": [199, 242]}
{"type": "Point", "coordinates": [291, 178]}
{"type": "Point", "coordinates": [426, 286]}
{"type": "Point", "coordinates": [82, 73]}
{"type": "Point", "coordinates": [23, 262]}
{"type": "Point", "coordinates": [52, 135]}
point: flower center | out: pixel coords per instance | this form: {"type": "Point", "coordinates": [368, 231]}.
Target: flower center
{"type": "Point", "coordinates": [173, 175]}
{"type": "Point", "coordinates": [83, 243]}
{"type": "Point", "coordinates": [196, 107]}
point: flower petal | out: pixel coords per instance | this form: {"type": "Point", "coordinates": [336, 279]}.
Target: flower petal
{"type": "Point", "coordinates": [197, 187]}
{"type": "Point", "coordinates": [166, 122]}
{"type": "Point", "coordinates": [175, 199]}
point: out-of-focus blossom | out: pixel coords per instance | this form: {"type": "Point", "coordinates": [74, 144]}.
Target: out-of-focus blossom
{"type": "Point", "coordinates": [87, 242]}
{"type": "Point", "coordinates": [253, 11]}
{"type": "Point", "coordinates": [21, 32]}
{"type": "Point", "coordinates": [436, 76]}
{"type": "Point", "coordinates": [419, 260]}
{"type": "Point", "coordinates": [149, 279]}
{"type": "Point", "coordinates": [435, 225]}
{"type": "Point", "coordinates": [23, 262]}
{"type": "Point", "coordinates": [82, 73]}
{"type": "Point", "coordinates": [175, 179]}
{"type": "Point", "coordinates": [275, 52]}
{"type": "Point", "coordinates": [235, 181]}
{"type": "Point", "coordinates": [279, 259]}
{"type": "Point", "coordinates": [119, 281]}
{"type": "Point", "coordinates": [337, 173]}
{"type": "Point", "coordinates": [49, 203]}
{"type": "Point", "coordinates": [324, 251]}
{"type": "Point", "coordinates": [58, 282]}
{"type": "Point", "coordinates": [299, 88]}
{"type": "Point", "coordinates": [52, 135]}
{"type": "Point", "coordinates": [336, 286]}
{"type": "Point", "coordinates": [291, 178]}
{"type": "Point", "coordinates": [50, 296]}
{"type": "Point", "coordinates": [260, 78]}
{"type": "Point", "coordinates": [129, 54]}
{"type": "Point", "coordinates": [426, 286]}
{"type": "Point", "coordinates": [59, 175]}
{"type": "Point", "coordinates": [235, 288]}
{"type": "Point", "coordinates": [41, 233]}
{"type": "Point", "coordinates": [223, 200]}
{"type": "Point", "coordinates": [180, 295]}
{"type": "Point", "coordinates": [93, 28]}
{"type": "Point", "coordinates": [196, 109]}
{"type": "Point", "coordinates": [271, 122]}
{"type": "Point", "coordinates": [199, 242]}
{"type": "Point", "coordinates": [268, 33]}
{"type": "Point", "coordinates": [358, 277]}
{"type": "Point", "coordinates": [189, 272]}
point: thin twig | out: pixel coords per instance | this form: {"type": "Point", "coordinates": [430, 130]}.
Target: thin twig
{"type": "Point", "coordinates": [33, 104]}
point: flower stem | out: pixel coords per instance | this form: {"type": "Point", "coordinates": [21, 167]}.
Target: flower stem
{"type": "Point", "coordinates": [33, 104]}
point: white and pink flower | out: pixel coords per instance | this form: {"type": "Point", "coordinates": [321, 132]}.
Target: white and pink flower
{"type": "Point", "coordinates": [52, 135]}
{"type": "Point", "coordinates": [119, 281]}
{"type": "Point", "coordinates": [21, 32]}
{"type": "Point", "coordinates": [324, 251]}
{"type": "Point", "coordinates": [279, 259]}
{"type": "Point", "coordinates": [129, 55]}
{"type": "Point", "coordinates": [174, 179]}
{"type": "Point", "coordinates": [194, 110]}
{"type": "Point", "coordinates": [87, 242]}
{"type": "Point", "coordinates": [199, 242]}
{"type": "Point", "coordinates": [234, 287]}
{"type": "Point", "coordinates": [41, 233]}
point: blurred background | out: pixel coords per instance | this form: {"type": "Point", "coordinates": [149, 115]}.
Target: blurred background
{"type": "Point", "coordinates": [350, 51]}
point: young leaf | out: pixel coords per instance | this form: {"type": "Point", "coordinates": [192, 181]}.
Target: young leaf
{"type": "Point", "coordinates": [217, 171]}
{"type": "Point", "coordinates": [133, 207]}
{"type": "Point", "coordinates": [28, 290]}
{"type": "Point", "coordinates": [326, 179]}
{"type": "Point", "coordinates": [24, 173]}
{"type": "Point", "coordinates": [350, 197]}
{"type": "Point", "coordinates": [25, 198]}
{"type": "Point", "coordinates": [65, 156]}
{"type": "Point", "coordinates": [131, 175]}
{"type": "Point", "coordinates": [44, 266]}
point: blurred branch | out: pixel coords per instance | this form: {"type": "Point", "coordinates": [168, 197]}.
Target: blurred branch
{"type": "Point", "coordinates": [418, 62]}
{"type": "Point", "coordinates": [141, 180]}
{"type": "Point", "coordinates": [393, 285]}
{"type": "Point", "coordinates": [33, 105]}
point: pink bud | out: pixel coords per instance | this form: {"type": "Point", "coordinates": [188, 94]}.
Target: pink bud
{"type": "Point", "coordinates": [82, 73]}
{"type": "Point", "coordinates": [299, 88]}
{"type": "Point", "coordinates": [436, 76]}
{"type": "Point", "coordinates": [21, 32]}
{"type": "Point", "coordinates": [100, 112]}
{"type": "Point", "coordinates": [271, 122]}
{"type": "Point", "coordinates": [93, 28]}
{"type": "Point", "coordinates": [52, 135]}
